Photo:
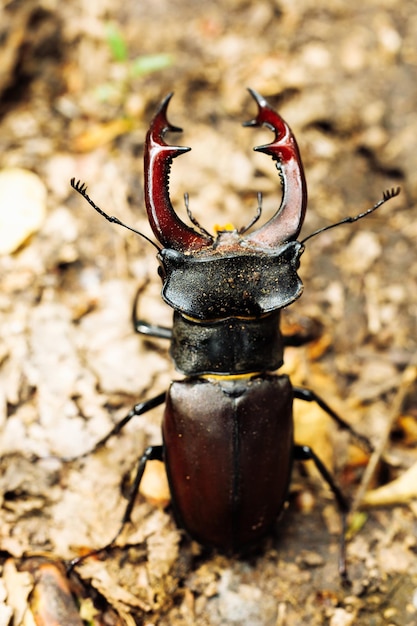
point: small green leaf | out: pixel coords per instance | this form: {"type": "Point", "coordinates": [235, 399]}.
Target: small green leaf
{"type": "Point", "coordinates": [116, 43]}
{"type": "Point", "coordinates": [357, 521]}
{"type": "Point", "coordinates": [150, 63]}
{"type": "Point", "coordinates": [107, 92]}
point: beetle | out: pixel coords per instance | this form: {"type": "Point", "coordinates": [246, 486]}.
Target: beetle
{"type": "Point", "coordinates": [227, 428]}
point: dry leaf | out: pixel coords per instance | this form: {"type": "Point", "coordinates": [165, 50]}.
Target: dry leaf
{"type": "Point", "coordinates": [399, 491]}
{"type": "Point", "coordinates": [51, 602]}
{"type": "Point", "coordinates": [154, 484]}
{"type": "Point", "coordinates": [101, 134]}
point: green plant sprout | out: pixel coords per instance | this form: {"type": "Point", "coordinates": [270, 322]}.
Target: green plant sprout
{"type": "Point", "coordinates": [134, 68]}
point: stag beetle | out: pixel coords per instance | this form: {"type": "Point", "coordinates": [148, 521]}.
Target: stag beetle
{"type": "Point", "coordinates": [227, 427]}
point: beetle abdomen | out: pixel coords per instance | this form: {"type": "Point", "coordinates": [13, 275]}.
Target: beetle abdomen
{"type": "Point", "coordinates": [228, 454]}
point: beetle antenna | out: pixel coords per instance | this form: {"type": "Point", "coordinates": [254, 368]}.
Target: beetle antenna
{"type": "Point", "coordinates": [193, 219]}
{"type": "Point", "coordinates": [255, 217]}
{"type": "Point", "coordinates": [387, 195]}
{"type": "Point", "coordinates": [82, 190]}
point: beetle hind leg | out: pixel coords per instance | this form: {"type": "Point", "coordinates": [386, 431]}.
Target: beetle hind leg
{"type": "Point", "coordinates": [152, 453]}
{"type": "Point", "coordinates": [305, 453]}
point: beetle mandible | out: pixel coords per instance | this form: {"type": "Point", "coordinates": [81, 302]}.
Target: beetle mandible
{"type": "Point", "coordinates": [227, 428]}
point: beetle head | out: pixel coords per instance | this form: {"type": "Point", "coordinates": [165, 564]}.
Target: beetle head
{"type": "Point", "coordinates": [255, 270]}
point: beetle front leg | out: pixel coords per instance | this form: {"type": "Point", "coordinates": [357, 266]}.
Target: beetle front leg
{"type": "Point", "coordinates": [150, 330]}
{"type": "Point", "coordinates": [145, 328]}
{"type": "Point", "coordinates": [305, 453]}
{"type": "Point", "coordinates": [308, 395]}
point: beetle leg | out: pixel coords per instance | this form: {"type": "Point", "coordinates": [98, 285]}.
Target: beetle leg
{"type": "Point", "coordinates": [310, 396]}
{"type": "Point", "coordinates": [145, 328]}
{"type": "Point", "coordinates": [305, 453]}
{"type": "Point", "coordinates": [138, 409]}
{"type": "Point", "coordinates": [152, 453]}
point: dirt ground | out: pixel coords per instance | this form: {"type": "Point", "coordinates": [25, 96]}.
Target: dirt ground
{"type": "Point", "coordinates": [79, 84]}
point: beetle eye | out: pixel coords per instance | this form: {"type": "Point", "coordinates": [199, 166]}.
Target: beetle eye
{"type": "Point", "coordinates": [162, 272]}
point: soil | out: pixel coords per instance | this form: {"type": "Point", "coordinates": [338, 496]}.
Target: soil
{"type": "Point", "coordinates": [79, 83]}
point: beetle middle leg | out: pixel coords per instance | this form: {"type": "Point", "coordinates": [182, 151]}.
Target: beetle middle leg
{"type": "Point", "coordinates": [138, 409]}
{"type": "Point", "coordinates": [305, 453]}
{"type": "Point", "coordinates": [300, 393]}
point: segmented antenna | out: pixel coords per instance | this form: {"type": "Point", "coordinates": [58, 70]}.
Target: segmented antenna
{"type": "Point", "coordinates": [82, 190]}
{"type": "Point", "coordinates": [387, 195]}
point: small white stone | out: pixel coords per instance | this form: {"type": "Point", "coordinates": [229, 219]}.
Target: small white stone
{"type": "Point", "coordinates": [22, 207]}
